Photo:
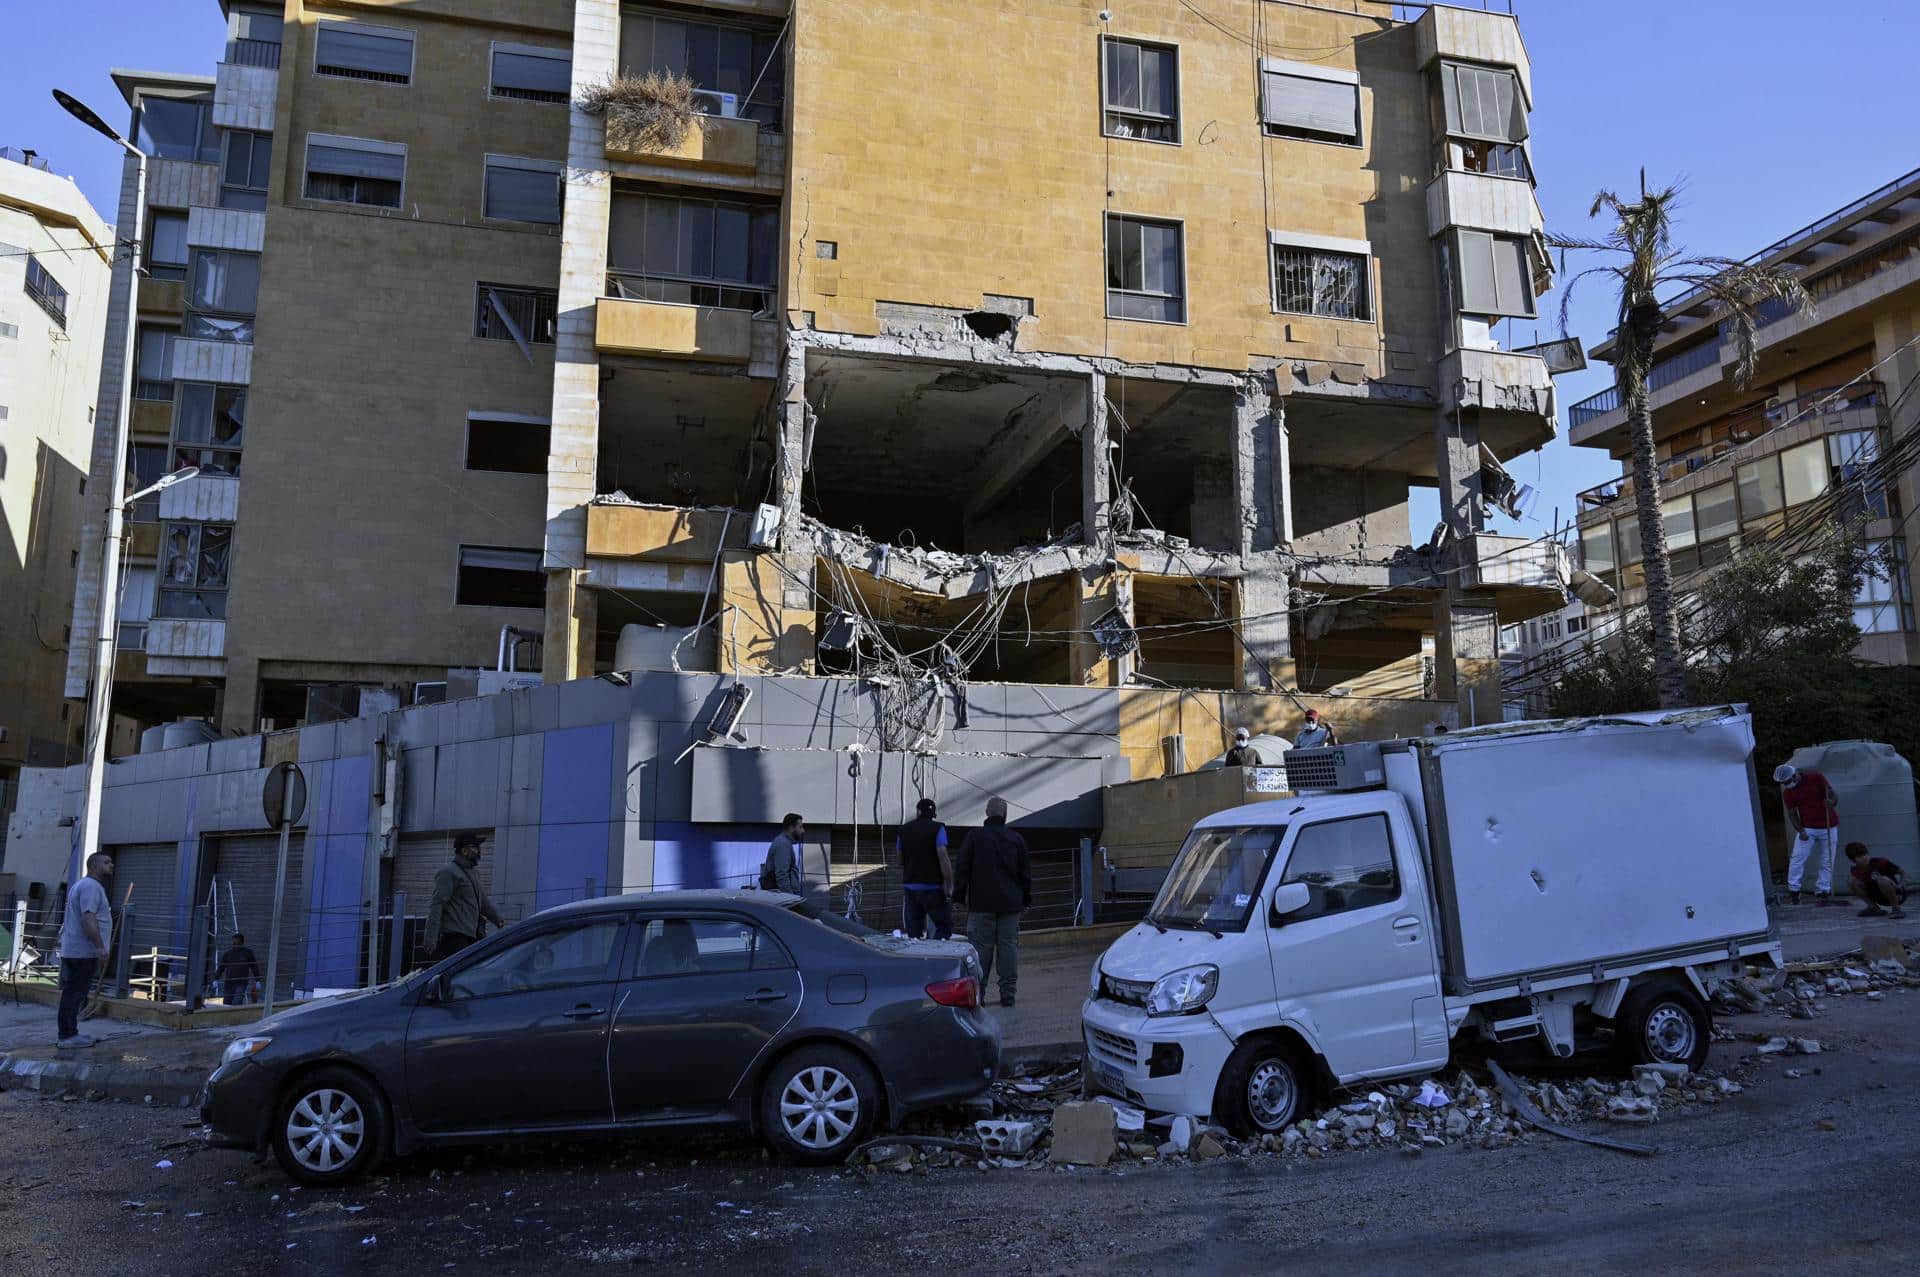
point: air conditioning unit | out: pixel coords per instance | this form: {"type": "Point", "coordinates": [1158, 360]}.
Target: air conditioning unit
{"type": "Point", "coordinates": [433, 693]}
{"type": "Point", "coordinates": [714, 102]}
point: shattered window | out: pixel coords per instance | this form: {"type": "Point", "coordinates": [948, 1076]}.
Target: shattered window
{"type": "Point", "coordinates": [224, 289]}
{"type": "Point", "coordinates": [208, 425]}
{"type": "Point", "coordinates": [1146, 270]}
{"type": "Point", "coordinates": [1216, 877]}
{"type": "Point", "coordinates": [516, 314]}
{"type": "Point", "coordinates": [194, 563]}
{"type": "Point", "coordinates": [1311, 281]}
{"type": "Point", "coordinates": [1142, 91]}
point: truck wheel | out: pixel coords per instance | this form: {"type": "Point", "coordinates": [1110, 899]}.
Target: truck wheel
{"type": "Point", "coordinates": [1663, 1024]}
{"type": "Point", "coordinates": [1263, 1089]}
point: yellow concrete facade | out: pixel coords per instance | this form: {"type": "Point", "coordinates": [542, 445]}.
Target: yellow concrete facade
{"type": "Point", "coordinates": [706, 333]}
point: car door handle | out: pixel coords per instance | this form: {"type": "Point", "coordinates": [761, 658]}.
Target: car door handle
{"type": "Point", "coordinates": [766, 995]}
{"type": "Point", "coordinates": [1405, 924]}
{"type": "Point", "coordinates": [584, 1012]}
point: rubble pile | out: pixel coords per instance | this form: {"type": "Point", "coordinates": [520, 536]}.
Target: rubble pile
{"type": "Point", "coordinates": [1800, 989]}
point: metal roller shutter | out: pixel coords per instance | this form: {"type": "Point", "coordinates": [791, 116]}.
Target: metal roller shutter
{"type": "Point", "coordinates": [243, 873]}
{"type": "Point", "coordinates": [147, 870]}
{"type": "Point", "coordinates": [419, 859]}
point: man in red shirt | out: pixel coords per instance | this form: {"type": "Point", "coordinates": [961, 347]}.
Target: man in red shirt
{"type": "Point", "coordinates": [1813, 809]}
{"type": "Point", "coordinates": [1878, 881]}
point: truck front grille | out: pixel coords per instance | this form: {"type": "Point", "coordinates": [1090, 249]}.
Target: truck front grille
{"type": "Point", "coordinates": [1113, 1048]}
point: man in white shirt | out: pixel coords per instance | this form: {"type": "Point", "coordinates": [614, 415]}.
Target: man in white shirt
{"type": "Point", "coordinates": [86, 933]}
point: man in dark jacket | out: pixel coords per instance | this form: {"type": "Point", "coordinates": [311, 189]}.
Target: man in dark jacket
{"type": "Point", "coordinates": [236, 973]}
{"type": "Point", "coordinates": [994, 877]}
{"type": "Point", "coordinates": [926, 873]}
{"type": "Point", "coordinates": [459, 903]}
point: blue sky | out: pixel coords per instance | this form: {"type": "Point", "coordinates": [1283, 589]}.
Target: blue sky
{"type": "Point", "coordinates": [1713, 93]}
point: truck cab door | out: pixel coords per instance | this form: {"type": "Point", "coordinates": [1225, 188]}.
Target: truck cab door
{"type": "Point", "coordinates": [1357, 962]}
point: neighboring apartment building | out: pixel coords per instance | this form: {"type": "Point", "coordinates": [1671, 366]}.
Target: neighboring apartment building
{"type": "Point", "coordinates": [55, 259]}
{"type": "Point", "coordinates": [1526, 645]}
{"type": "Point", "coordinates": [1803, 441]}
{"type": "Point", "coordinates": [1142, 318]}
{"type": "Point", "coordinates": [345, 322]}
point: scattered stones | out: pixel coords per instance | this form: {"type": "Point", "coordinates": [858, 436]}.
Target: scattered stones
{"type": "Point", "coordinates": [1806, 1046]}
{"type": "Point", "coordinates": [1084, 1134]}
{"type": "Point", "coordinates": [1207, 1147]}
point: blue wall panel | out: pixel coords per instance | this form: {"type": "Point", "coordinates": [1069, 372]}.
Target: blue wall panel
{"type": "Point", "coordinates": [688, 856]}
{"type": "Point", "coordinates": [576, 777]}
{"type": "Point", "coordinates": [338, 795]}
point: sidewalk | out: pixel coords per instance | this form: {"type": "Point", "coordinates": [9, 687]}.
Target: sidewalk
{"type": "Point", "coordinates": [135, 1061]}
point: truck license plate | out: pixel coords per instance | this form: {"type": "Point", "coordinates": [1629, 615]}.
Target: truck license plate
{"type": "Point", "coordinates": [1108, 1079]}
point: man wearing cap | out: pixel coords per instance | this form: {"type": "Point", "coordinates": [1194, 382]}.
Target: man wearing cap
{"type": "Point", "coordinates": [459, 903]}
{"type": "Point", "coordinates": [1242, 755]}
{"type": "Point", "coordinates": [1813, 809]}
{"type": "Point", "coordinates": [1315, 734]}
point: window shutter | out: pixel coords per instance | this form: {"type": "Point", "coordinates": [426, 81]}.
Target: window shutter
{"type": "Point", "coordinates": [365, 51]}
{"type": "Point", "coordinates": [1512, 288]}
{"type": "Point", "coordinates": [342, 161]}
{"type": "Point", "coordinates": [1318, 106]}
{"type": "Point", "coordinates": [1478, 293]}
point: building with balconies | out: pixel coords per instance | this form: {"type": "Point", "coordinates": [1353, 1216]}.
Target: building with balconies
{"type": "Point", "coordinates": [1802, 442]}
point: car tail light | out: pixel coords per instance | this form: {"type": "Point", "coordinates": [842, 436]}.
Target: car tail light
{"type": "Point", "coordinates": [964, 992]}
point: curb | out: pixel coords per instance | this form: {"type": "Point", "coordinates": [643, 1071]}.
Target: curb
{"type": "Point", "coordinates": [177, 1087]}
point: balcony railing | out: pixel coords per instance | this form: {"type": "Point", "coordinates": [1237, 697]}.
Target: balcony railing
{"type": "Point", "coordinates": [1664, 373]}
{"type": "Point", "coordinates": [253, 53]}
{"type": "Point", "coordinates": [29, 158]}
{"type": "Point", "coordinates": [687, 291]}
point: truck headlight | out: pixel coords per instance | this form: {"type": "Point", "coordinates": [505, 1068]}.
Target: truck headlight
{"type": "Point", "coordinates": [1184, 991]}
{"type": "Point", "coordinates": [1093, 980]}
{"type": "Point", "coordinates": [241, 1048]}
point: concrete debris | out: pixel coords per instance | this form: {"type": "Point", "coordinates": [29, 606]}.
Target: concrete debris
{"type": "Point", "coordinates": [1008, 1139]}
{"type": "Point", "coordinates": [1883, 948]}
{"type": "Point", "coordinates": [1632, 1109]}
{"type": "Point", "coordinates": [1207, 1147]}
{"type": "Point", "coordinates": [1774, 1046]}
{"type": "Point", "coordinates": [1805, 1046]}
{"type": "Point", "coordinates": [1084, 1134]}
{"type": "Point", "coordinates": [1128, 1118]}
{"type": "Point", "coordinates": [1181, 1136]}
{"type": "Point", "coordinates": [1432, 1095]}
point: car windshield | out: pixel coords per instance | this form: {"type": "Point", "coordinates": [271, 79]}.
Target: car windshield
{"type": "Point", "coordinates": [1215, 878]}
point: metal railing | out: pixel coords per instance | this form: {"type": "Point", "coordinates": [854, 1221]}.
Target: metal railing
{"type": "Point", "coordinates": [29, 158]}
{"type": "Point", "coordinates": [688, 291]}
{"type": "Point", "coordinates": [253, 53]}
{"type": "Point", "coordinates": [1664, 373]}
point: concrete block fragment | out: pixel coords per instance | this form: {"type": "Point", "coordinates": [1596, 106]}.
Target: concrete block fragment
{"type": "Point", "coordinates": [1879, 948]}
{"type": "Point", "coordinates": [1007, 1139]}
{"type": "Point", "coordinates": [1083, 1134]}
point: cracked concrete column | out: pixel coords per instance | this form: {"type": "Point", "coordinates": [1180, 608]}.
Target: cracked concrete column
{"type": "Point", "coordinates": [1264, 651]}
{"type": "Point", "coordinates": [793, 431]}
{"type": "Point", "coordinates": [1466, 655]}
{"type": "Point", "coordinates": [1262, 471]}
{"type": "Point", "coordinates": [1096, 470]}
{"type": "Point", "coordinates": [1456, 455]}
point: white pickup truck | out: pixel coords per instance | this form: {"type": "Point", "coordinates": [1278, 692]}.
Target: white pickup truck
{"type": "Point", "coordinates": [1572, 881]}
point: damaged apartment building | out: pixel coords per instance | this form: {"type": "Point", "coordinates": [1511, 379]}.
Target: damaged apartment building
{"type": "Point", "coordinates": [1051, 343]}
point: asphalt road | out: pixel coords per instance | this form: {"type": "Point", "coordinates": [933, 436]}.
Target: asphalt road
{"type": "Point", "coordinates": [1755, 1185]}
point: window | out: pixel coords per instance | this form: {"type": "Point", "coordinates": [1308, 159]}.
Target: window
{"type": "Point", "coordinates": [532, 74]}
{"type": "Point", "coordinates": [166, 256]}
{"type": "Point", "coordinates": [503, 313]}
{"type": "Point", "coordinates": [1496, 159]}
{"type": "Point", "coordinates": [177, 129]}
{"type": "Point", "coordinates": [1315, 281]}
{"type": "Point", "coordinates": [1760, 490]}
{"type": "Point", "coordinates": [363, 53]}
{"type": "Point", "coordinates": [1299, 99]}
{"type": "Point", "coordinates": [255, 38]}
{"type": "Point", "coordinates": [222, 295]}
{"type": "Point", "coordinates": [1627, 537]}
{"type": "Point", "coordinates": [1884, 604]}
{"type": "Point", "coordinates": [207, 427]}
{"type": "Point", "coordinates": [1142, 90]}
{"type": "Point", "coordinates": [1216, 877]}
{"type": "Point", "coordinates": [146, 462]}
{"type": "Point", "coordinates": [1852, 455]}
{"type": "Point", "coordinates": [1804, 471]}
{"type": "Point", "coordinates": [725, 62]}
{"type": "Point", "coordinates": [1676, 517]}
{"type": "Point", "coordinates": [507, 445]}
{"type": "Point", "coordinates": [46, 290]}
{"type": "Point", "coordinates": [152, 355]}
{"type": "Point", "coordinates": [1492, 274]}
{"type": "Point", "coordinates": [519, 190]}
{"type": "Point", "coordinates": [194, 560]}
{"type": "Point", "coordinates": [1346, 864]}
{"type": "Point", "coordinates": [353, 170]}
{"type": "Point", "coordinates": [696, 252]}
{"type": "Point", "coordinates": [1481, 102]}
{"type": "Point", "coordinates": [1146, 271]}
{"type": "Point", "coordinates": [1576, 625]}
{"type": "Point", "coordinates": [244, 181]}
{"type": "Point", "coordinates": [581, 954]}
{"type": "Point", "coordinates": [705, 946]}
{"type": "Point", "coordinates": [492, 576]}
{"type": "Point", "coordinates": [136, 609]}
{"type": "Point", "coordinates": [1714, 512]}
{"type": "Point", "coordinates": [1596, 548]}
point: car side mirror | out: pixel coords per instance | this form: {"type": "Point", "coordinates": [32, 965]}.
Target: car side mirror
{"type": "Point", "coordinates": [1290, 898]}
{"type": "Point", "coordinates": [437, 988]}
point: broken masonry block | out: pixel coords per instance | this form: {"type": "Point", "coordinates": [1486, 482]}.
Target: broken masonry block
{"type": "Point", "coordinates": [1084, 1134]}
{"type": "Point", "coordinates": [1007, 1139]}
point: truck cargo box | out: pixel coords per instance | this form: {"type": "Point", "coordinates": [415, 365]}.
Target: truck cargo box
{"type": "Point", "coordinates": [1575, 844]}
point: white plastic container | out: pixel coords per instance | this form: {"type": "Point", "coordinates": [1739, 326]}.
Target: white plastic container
{"type": "Point", "coordinates": [1875, 788]}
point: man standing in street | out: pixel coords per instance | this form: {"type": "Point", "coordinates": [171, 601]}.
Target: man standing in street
{"type": "Point", "coordinates": [1315, 734]}
{"type": "Point", "coordinates": [236, 972]}
{"type": "Point", "coordinates": [1813, 809]}
{"type": "Point", "coordinates": [994, 877]}
{"type": "Point", "coordinates": [86, 933]}
{"type": "Point", "coordinates": [926, 873]}
{"type": "Point", "coordinates": [453, 919]}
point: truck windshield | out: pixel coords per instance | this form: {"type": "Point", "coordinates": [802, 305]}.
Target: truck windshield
{"type": "Point", "coordinates": [1216, 877]}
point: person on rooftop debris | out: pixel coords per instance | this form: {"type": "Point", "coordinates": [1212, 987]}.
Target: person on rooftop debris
{"type": "Point", "coordinates": [1878, 881]}
{"type": "Point", "coordinates": [1315, 734]}
{"type": "Point", "coordinates": [1242, 755]}
{"type": "Point", "coordinates": [453, 918]}
{"type": "Point", "coordinates": [1813, 809]}
{"type": "Point", "coordinates": [926, 873]}
{"type": "Point", "coordinates": [236, 972]}
{"type": "Point", "coordinates": [86, 934]}
{"type": "Point", "coordinates": [994, 879]}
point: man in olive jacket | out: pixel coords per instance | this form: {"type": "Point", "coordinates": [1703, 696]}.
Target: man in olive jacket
{"type": "Point", "coordinates": [453, 919]}
{"type": "Point", "coordinates": [994, 877]}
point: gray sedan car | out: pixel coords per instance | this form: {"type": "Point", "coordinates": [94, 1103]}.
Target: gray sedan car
{"type": "Point", "coordinates": [676, 1009]}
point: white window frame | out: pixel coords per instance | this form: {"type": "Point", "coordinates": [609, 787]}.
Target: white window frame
{"type": "Point", "coordinates": [1310, 71]}
{"type": "Point", "coordinates": [1186, 278]}
{"type": "Point", "coordinates": [552, 52]}
{"type": "Point", "coordinates": [344, 142]}
{"type": "Point", "coordinates": [413, 50]}
{"type": "Point", "coordinates": [1363, 249]}
{"type": "Point", "coordinates": [1179, 87]}
{"type": "Point", "coordinates": [526, 164]}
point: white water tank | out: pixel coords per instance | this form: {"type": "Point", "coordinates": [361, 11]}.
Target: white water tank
{"type": "Point", "coordinates": [1875, 788]}
{"type": "Point", "coordinates": [653, 647]}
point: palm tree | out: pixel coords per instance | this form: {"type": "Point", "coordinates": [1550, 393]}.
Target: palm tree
{"type": "Point", "coordinates": [1649, 264]}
